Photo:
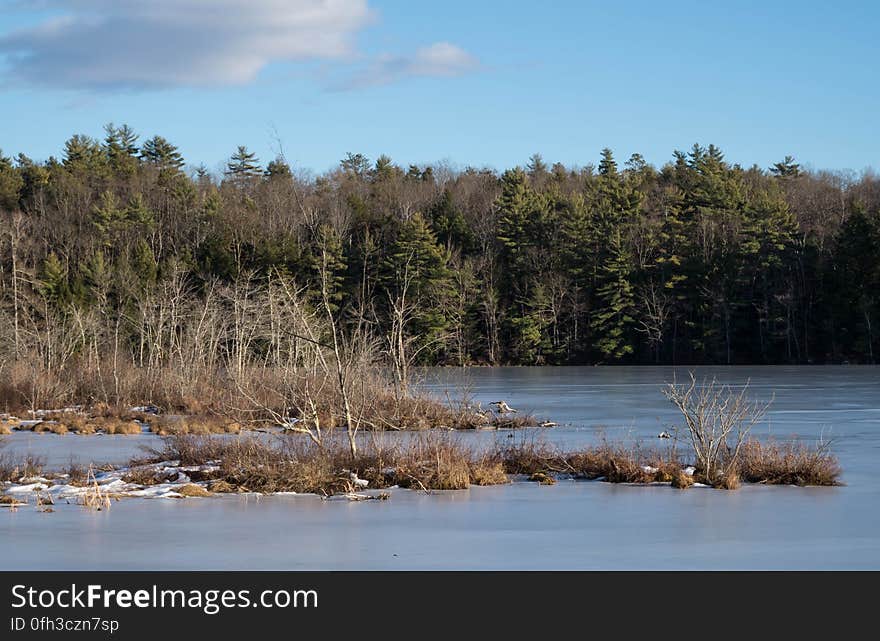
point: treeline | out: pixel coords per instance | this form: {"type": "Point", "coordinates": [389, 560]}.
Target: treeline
{"type": "Point", "coordinates": [699, 261]}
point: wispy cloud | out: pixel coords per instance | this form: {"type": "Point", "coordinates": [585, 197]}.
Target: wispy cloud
{"type": "Point", "coordinates": [100, 45]}
{"type": "Point", "coordinates": [441, 59]}
{"type": "Point", "coordinates": [146, 44]}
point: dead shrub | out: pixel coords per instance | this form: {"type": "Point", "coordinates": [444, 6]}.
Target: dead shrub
{"type": "Point", "coordinates": [12, 469]}
{"type": "Point", "coordinates": [718, 421]}
{"type": "Point", "coordinates": [76, 473]}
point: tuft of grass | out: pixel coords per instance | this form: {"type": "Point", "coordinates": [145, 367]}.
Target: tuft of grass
{"type": "Point", "coordinates": [486, 471]}
{"type": "Point", "coordinates": [682, 481]}
{"type": "Point", "coordinates": [58, 428]}
{"type": "Point", "coordinates": [127, 428]}
{"type": "Point", "coordinates": [542, 478]}
{"type": "Point", "coordinates": [775, 463]}
{"type": "Point", "coordinates": [95, 497]}
{"type": "Point", "coordinates": [193, 491]}
{"type": "Point", "coordinates": [432, 462]}
{"type": "Point", "coordinates": [729, 481]}
{"type": "Point", "coordinates": [141, 475]}
{"type": "Point", "coordinates": [531, 456]}
{"type": "Point", "coordinates": [221, 487]}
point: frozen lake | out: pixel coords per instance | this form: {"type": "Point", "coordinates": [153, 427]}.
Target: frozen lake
{"type": "Point", "coordinates": [573, 525]}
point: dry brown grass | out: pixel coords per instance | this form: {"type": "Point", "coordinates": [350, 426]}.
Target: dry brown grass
{"type": "Point", "coordinates": [142, 475]}
{"type": "Point", "coordinates": [95, 497]}
{"type": "Point", "coordinates": [682, 481]}
{"type": "Point", "coordinates": [76, 423]}
{"type": "Point", "coordinates": [613, 463]}
{"type": "Point", "coordinates": [433, 462]}
{"type": "Point", "coordinates": [440, 461]}
{"type": "Point", "coordinates": [486, 471]}
{"type": "Point", "coordinates": [292, 464]}
{"type": "Point", "coordinates": [195, 425]}
{"type": "Point", "coordinates": [126, 428]}
{"type": "Point", "coordinates": [793, 463]}
{"type": "Point", "coordinates": [531, 456]}
{"type": "Point", "coordinates": [215, 403]}
{"type": "Point", "coordinates": [221, 487]}
{"type": "Point", "coordinates": [730, 481]}
{"type": "Point", "coordinates": [14, 468]}
{"type": "Point", "coordinates": [193, 491]}
{"type": "Point", "coordinates": [58, 428]}
{"type": "Point", "coordinates": [542, 478]}
{"type": "Point", "coordinates": [76, 473]}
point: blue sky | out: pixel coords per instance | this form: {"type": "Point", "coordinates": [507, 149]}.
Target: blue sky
{"type": "Point", "coordinates": [470, 82]}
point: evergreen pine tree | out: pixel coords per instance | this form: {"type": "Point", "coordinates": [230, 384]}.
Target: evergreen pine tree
{"type": "Point", "coordinates": [11, 184]}
{"type": "Point", "coordinates": [614, 319]}
{"type": "Point", "coordinates": [417, 264]}
{"type": "Point", "coordinates": [243, 164]}
{"type": "Point", "coordinates": [120, 146]}
{"type": "Point", "coordinates": [53, 283]}
{"type": "Point", "coordinates": [159, 152]}
{"type": "Point", "coordinates": [278, 168]}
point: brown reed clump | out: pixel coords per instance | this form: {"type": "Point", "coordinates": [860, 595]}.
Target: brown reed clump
{"type": "Point", "coordinates": [486, 471]}
{"type": "Point", "coordinates": [791, 463]}
{"type": "Point", "coordinates": [94, 497]}
{"type": "Point", "coordinates": [531, 456]}
{"type": "Point", "coordinates": [730, 481]}
{"type": "Point", "coordinates": [426, 462]}
{"type": "Point", "coordinates": [221, 487]}
{"type": "Point", "coordinates": [542, 478]}
{"type": "Point", "coordinates": [682, 481]}
{"type": "Point", "coordinates": [192, 490]}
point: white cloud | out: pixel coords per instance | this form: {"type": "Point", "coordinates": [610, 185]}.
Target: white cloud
{"type": "Point", "coordinates": [145, 44]}
{"type": "Point", "coordinates": [441, 59]}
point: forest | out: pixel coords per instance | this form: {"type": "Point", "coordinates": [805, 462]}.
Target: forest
{"type": "Point", "coordinates": [117, 249]}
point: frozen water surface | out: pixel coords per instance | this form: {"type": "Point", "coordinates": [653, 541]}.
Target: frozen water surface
{"type": "Point", "coordinates": [572, 525]}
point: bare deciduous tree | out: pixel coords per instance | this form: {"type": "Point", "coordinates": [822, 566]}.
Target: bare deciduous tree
{"type": "Point", "coordinates": [718, 420]}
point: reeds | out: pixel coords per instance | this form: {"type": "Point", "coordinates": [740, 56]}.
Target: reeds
{"type": "Point", "coordinates": [789, 463]}
{"type": "Point", "coordinates": [94, 497]}
{"type": "Point", "coordinates": [430, 461]}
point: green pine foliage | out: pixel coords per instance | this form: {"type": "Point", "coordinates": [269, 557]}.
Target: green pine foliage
{"type": "Point", "coordinates": [697, 261]}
